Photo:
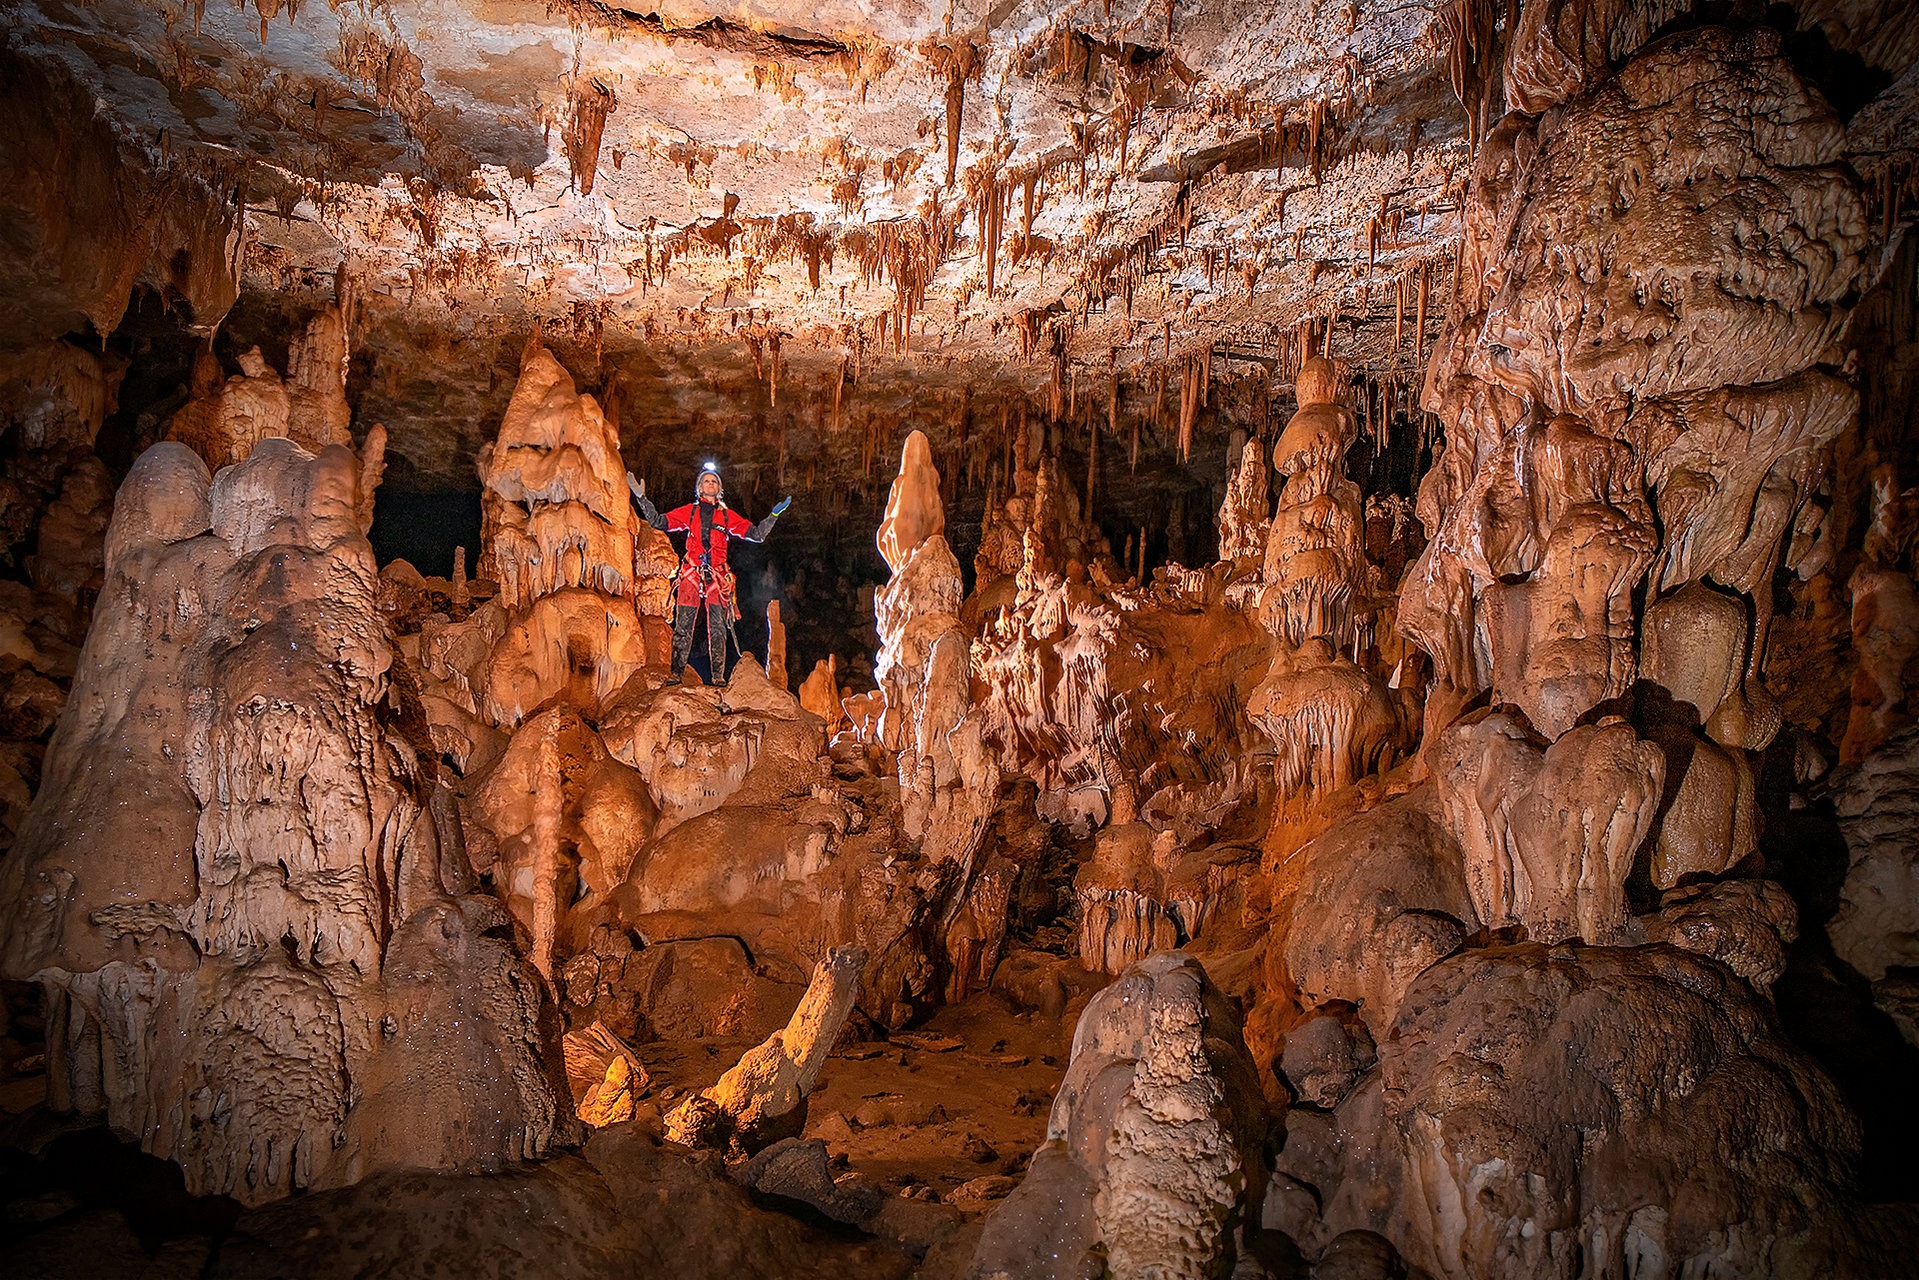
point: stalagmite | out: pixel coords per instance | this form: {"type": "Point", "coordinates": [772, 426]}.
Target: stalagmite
{"type": "Point", "coordinates": [1314, 560]}
{"type": "Point", "coordinates": [948, 781]}
{"type": "Point", "coordinates": [1330, 720]}
{"type": "Point", "coordinates": [914, 511]}
{"type": "Point", "coordinates": [820, 691]}
{"type": "Point", "coordinates": [1244, 516]}
{"type": "Point", "coordinates": [462, 590]}
{"type": "Point", "coordinates": [1150, 1157]}
{"type": "Point", "coordinates": [775, 645]}
{"type": "Point", "coordinates": [584, 582]}
{"type": "Point", "coordinates": [289, 895]}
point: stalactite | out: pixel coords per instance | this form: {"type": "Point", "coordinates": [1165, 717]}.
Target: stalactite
{"type": "Point", "coordinates": [960, 62]}
{"type": "Point", "coordinates": [1419, 321]}
{"type": "Point", "coordinates": [1315, 123]}
{"type": "Point", "coordinates": [462, 593]}
{"type": "Point", "coordinates": [1192, 383]}
{"type": "Point", "coordinates": [1468, 29]}
{"type": "Point", "coordinates": [589, 103]}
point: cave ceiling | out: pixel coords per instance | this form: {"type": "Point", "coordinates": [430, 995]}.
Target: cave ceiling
{"type": "Point", "coordinates": [951, 195]}
{"type": "Point", "coordinates": [919, 202]}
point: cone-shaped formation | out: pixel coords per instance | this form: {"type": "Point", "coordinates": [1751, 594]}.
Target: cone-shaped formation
{"type": "Point", "coordinates": [914, 511]}
{"type": "Point", "coordinates": [554, 501]}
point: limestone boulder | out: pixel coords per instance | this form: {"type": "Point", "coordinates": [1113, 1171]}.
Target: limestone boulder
{"type": "Point", "coordinates": [699, 748]}
{"type": "Point", "coordinates": [1560, 1109]}
{"type": "Point", "coordinates": [1746, 925]}
{"type": "Point", "coordinates": [1383, 897]}
{"type": "Point", "coordinates": [706, 987]}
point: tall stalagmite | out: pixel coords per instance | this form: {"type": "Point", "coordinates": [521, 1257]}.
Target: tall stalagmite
{"type": "Point", "coordinates": [261, 954]}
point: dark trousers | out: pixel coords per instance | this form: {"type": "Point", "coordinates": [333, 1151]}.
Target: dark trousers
{"type": "Point", "coordinates": [684, 616]}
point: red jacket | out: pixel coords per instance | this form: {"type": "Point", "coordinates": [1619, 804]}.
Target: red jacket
{"type": "Point", "coordinates": [704, 574]}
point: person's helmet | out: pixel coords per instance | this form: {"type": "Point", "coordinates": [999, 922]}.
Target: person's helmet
{"type": "Point", "coordinates": [710, 469]}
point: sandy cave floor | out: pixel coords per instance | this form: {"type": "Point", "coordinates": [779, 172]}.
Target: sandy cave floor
{"type": "Point", "coordinates": [961, 1098]}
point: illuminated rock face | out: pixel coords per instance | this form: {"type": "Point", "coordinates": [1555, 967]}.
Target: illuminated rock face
{"type": "Point", "coordinates": [254, 939]}
{"type": "Point", "coordinates": [1383, 897]}
{"type": "Point", "coordinates": [1683, 447]}
{"type": "Point", "coordinates": [1638, 456]}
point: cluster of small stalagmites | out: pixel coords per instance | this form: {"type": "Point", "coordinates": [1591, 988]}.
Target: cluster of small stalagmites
{"type": "Point", "coordinates": [227, 417]}
{"type": "Point", "coordinates": [1119, 701]}
{"type": "Point", "coordinates": [1656, 260]}
{"type": "Point", "coordinates": [231, 843]}
{"type": "Point", "coordinates": [1143, 892]}
{"type": "Point", "coordinates": [1038, 530]}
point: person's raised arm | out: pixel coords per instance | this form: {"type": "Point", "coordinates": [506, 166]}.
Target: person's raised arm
{"type": "Point", "coordinates": [759, 531]}
{"type": "Point", "coordinates": [647, 509]}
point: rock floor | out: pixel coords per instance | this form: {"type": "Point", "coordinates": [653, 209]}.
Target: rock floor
{"type": "Point", "coordinates": [941, 1120]}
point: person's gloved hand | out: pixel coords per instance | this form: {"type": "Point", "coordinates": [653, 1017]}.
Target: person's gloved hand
{"type": "Point", "coordinates": [783, 504]}
{"type": "Point", "coordinates": [637, 486]}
